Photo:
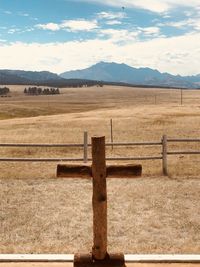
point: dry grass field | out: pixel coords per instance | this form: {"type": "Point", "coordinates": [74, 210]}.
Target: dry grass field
{"type": "Point", "coordinates": [152, 214]}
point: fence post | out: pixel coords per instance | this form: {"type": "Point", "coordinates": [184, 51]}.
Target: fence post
{"type": "Point", "coordinates": [111, 132]}
{"type": "Point", "coordinates": [164, 155]}
{"type": "Point", "coordinates": [85, 147]}
{"type": "Point", "coordinates": [181, 96]}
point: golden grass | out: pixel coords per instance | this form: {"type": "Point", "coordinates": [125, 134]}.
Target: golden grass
{"type": "Point", "coordinates": [130, 123]}
{"type": "Point", "coordinates": [152, 214]}
{"type": "Point", "coordinates": [147, 215]}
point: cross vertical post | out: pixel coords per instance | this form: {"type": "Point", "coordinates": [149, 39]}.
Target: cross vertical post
{"type": "Point", "coordinates": [99, 198]}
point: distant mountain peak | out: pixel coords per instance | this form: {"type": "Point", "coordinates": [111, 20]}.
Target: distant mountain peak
{"type": "Point", "coordinates": [120, 72]}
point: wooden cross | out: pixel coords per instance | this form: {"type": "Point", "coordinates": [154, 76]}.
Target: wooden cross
{"type": "Point", "coordinates": [99, 172]}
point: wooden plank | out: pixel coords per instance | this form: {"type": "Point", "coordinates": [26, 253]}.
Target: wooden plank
{"type": "Point", "coordinates": [124, 171]}
{"type": "Point", "coordinates": [68, 264]}
{"type": "Point", "coordinates": [129, 258]}
{"type": "Point", "coordinates": [99, 198]}
{"type": "Point", "coordinates": [36, 257]}
{"type": "Point", "coordinates": [112, 171]}
{"type": "Point", "coordinates": [71, 171]}
{"type": "Point", "coordinates": [162, 264]}
{"type": "Point", "coordinates": [36, 264]}
{"type": "Point", "coordinates": [163, 258]}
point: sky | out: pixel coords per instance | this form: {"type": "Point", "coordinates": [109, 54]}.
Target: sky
{"type": "Point", "coordinates": [63, 35]}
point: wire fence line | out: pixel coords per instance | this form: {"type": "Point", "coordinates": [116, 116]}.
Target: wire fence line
{"type": "Point", "coordinates": [163, 143]}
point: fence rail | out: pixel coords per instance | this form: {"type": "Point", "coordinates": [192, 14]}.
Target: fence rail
{"type": "Point", "coordinates": [80, 145]}
{"type": "Point", "coordinates": [183, 153]}
{"type": "Point", "coordinates": [40, 145]}
{"type": "Point", "coordinates": [40, 159]}
{"type": "Point", "coordinates": [183, 140]}
{"type": "Point", "coordinates": [85, 145]}
{"type": "Point", "coordinates": [133, 144]}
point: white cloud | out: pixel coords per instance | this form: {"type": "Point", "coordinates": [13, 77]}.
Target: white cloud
{"type": "Point", "coordinates": [188, 13]}
{"type": "Point", "coordinates": [49, 26]}
{"type": "Point", "coordinates": [177, 55]}
{"type": "Point", "coordinates": [79, 25]}
{"type": "Point", "coordinates": [191, 22]}
{"type": "Point", "coordinates": [111, 18]}
{"type": "Point", "coordinates": [8, 12]}
{"type": "Point", "coordinates": [113, 22]}
{"type": "Point", "coordinates": [150, 31]}
{"type": "Point", "coordinates": [70, 25]}
{"type": "Point", "coordinates": [28, 29]}
{"type": "Point", "coordinates": [23, 14]}
{"type": "Point", "coordinates": [124, 36]}
{"type": "Point", "coordinates": [119, 36]}
{"type": "Point", "coordinates": [111, 15]}
{"type": "Point", "coordinates": [19, 31]}
{"type": "Point", "coordinates": [36, 19]}
{"type": "Point", "coordinates": [13, 30]}
{"type": "Point", "coordinates": [152, 5]}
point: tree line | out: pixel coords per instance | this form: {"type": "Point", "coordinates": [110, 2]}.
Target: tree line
{"type": "Point", "coordinates": [4, 90]}
{"type": "Point", "coordinates": [41, 91]}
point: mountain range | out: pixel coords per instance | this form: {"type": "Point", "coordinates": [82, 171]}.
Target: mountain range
{"type": "Point", "coordinates": [102, 72]}
{"type": "Point", "coordinates": [46, 78]}
{"type": "Point", "coordinates": [26, 77]}
{"type": "Point", "coordinates": [113, 72]}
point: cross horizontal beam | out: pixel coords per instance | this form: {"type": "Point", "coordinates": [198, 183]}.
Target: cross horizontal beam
{"type": "Point", "coordinates": [74, 171]}
{"type": "Point", "coordinates": [112, 171]}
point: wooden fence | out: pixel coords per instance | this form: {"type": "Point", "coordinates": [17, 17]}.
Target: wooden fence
{"type": "Point", "coordinates": [163, 143]}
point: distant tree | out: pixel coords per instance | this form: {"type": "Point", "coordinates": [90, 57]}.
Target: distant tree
{"type": "Point", "coordinates": [4, 90]}
{"type": "Point", "coordinates": [40, 91]}
{"type": "Point", "coordinates": [57, 91]}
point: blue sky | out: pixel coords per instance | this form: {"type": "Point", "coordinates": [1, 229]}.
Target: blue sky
{"type": "Point", "coordinates": [61, 35]}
